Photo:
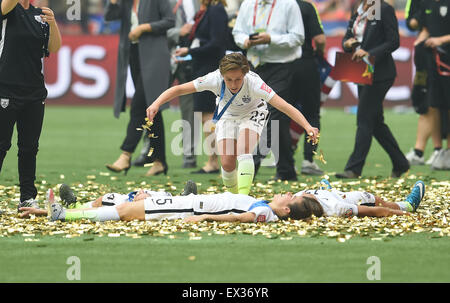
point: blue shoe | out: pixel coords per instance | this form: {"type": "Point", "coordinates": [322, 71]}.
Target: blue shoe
{"type": "Point", "coordinates": [416, 195]}
{"type": "Point", "coordinates": [324, 184]}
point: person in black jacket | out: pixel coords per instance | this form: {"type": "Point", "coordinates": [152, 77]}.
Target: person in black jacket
{"type": "Point", "coordinates": [375, 35]}
{"type": "Point", "coordinates": [27, 34]}
{"type": "Point", "coordinates": [305, 87]}
{"type": "Point", "coordinates": [209, 41]}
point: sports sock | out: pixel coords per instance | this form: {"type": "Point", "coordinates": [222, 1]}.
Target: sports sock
{"type": "Point", "coordinates": [230, 181]}
{"type": "Point", "coordinates": [100, 214]}
{"type": "Point", "coordinates": [246, 171]}
{"type": "Point", "coordinates": [418, 152]}
{"type": "Point", "coordinates": [405, 206]}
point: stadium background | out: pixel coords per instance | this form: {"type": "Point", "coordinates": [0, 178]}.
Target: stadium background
{"type": "Point", "coordinates": [83, 72]}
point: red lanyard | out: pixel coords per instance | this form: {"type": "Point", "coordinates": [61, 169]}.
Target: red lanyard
{"type": "Point", "coordinates": [256, 10]}
{"type": "Point", "coordinates": [177, 6]}
{"type": "Point", "coordinates": [135, 4]}
{"type": "Point", "coordinates": [355, 25]}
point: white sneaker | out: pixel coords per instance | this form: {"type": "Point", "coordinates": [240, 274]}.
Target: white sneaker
{"type": "Point", "coordinates": [442, 160]}
{"type": "Point", "coordinates": [414, 159]}
{"type": "Point", "coordinates": [432, 157]}
{"type": "Point", "coordinates": [311, 168]}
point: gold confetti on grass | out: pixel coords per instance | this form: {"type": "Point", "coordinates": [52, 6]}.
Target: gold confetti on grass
{"type": "Point", "coordinates": [432, 217]}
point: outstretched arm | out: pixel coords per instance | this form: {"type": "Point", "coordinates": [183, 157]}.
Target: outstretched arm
{"type": "Point", "coordinates": [169, 94]}
{"type": "Point", "coordinates": [293, 113]}
{"type": "Point", "coordinates": [377, 211]}
{"type": "Point", "coordinates": [243, 218]}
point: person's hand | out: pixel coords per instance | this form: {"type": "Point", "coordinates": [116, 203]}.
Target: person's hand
{"type": "Point", "coordinates": [313, 134]}
{"type": "Point", "coordinates": [114, 1]}
{"type": "Point", "coordinates": [350, 42]}
{"type": "Point", "coordinates": [248, 43]}
{"type": "Point", "coordinates": [141, 195]}
{"type": "Point", "coordinates": [186, 29]}
{"type": "Point", "coordinates": [195, 219]}
{"type": "Point", "coordinates": [261, 38]}
{"type": "Point", "coordinates": [433, 42]}
{"type": "Point", "coordinates": [359, 54]}
{"type": "Point", "coordinates": [135, 33]}
{"type": "Point", "coordinates": [181, 52]}
{"type": "Point", "coordinates": [25, 212]}
{"type": "Point", "coordinates": [413, 23]}
{"type": "Point", "coordinates": [152, 110]}
{"type": "Point", "coordinates": [48, 16]}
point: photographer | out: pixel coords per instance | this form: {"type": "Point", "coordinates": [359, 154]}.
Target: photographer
{"type": "Point", "coordinates": [27, 35]}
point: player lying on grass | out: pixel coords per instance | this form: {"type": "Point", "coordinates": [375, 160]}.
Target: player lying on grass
{"type": "Point", "coordinates": [242, 208]}
{"type": "Point", "coordinates": [331, 202]}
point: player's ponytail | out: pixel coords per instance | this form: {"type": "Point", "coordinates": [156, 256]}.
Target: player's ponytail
{"type": "Point", "coordinates": [305, 209]}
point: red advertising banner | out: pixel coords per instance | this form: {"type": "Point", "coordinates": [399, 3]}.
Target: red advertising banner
{"type": "Point", "coordinates": [83, 72]}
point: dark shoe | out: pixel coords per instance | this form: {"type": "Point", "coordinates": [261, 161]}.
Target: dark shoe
{"type": "Point", "coordinates": [398, 173]}
{"type": "Point", "coordinates": [189, 165]}
{"type": "Point", "coordinates": [348, 174]}
{"type": "Point", "coordinates": [189, 188]}
{"type": "Point", "coordinates": [203, 171]}
{"type": "Point", "coordinates": [66, 194]}
{"type": "Point", "coordinates": [123, 163]}
{"type": "Point", "coordinates": [285, 177]}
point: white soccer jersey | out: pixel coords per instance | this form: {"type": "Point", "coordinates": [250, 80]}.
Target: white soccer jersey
{"type": "Point", "coordinates": [253, 93]}
{"type": "Point", "coordinates": [113, 199]}
{"type": "Point", "coordinates": [340, 204]}
{"type": "Point", "coordinates": [179, 207]}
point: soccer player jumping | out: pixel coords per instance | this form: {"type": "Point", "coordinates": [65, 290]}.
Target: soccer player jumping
{"type": "Point", "coordinates": [240, 115]}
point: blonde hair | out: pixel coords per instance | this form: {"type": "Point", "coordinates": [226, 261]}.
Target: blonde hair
{"type": "Point", "coordinates": [234, 61]}
{"type": "Point", "coordinates": [214, 2]}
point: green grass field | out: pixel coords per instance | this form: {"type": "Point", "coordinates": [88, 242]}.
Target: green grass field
{"type": "Point", "coordinates": [77, 142]}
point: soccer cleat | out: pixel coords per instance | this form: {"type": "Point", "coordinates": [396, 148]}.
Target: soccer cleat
{"type": "Point", "coordinates": [189, 188]}
{"type": "Point", "coordinates": [311, 168]}
{"type": "Point", "coordinates": [414, 159]}
{"type": "Point", "coordinates": [28, 203]}
{"type": "Point", "coordinates": [432, 157]}
{"type": "Point", "coordinates": [416, 195]}
{"type": "Point", "coordinates": [66, 194]}
{"type": "Point", "coordinates": [57, 212]}
{"type": "Point", "coordinates": [442, 160]}
{"type": "Point", "coordinates": [325, 185]}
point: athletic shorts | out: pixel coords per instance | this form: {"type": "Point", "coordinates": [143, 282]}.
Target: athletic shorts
{"type": "Point", "coordinates": [229, 127]}
{"type": "Point", "coordinates": [349, 207]}
{"type": "Point", "coordinates": [439, 91]}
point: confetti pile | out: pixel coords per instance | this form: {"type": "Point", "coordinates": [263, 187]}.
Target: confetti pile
{"type": "Point", "coordinates": [432, 216]}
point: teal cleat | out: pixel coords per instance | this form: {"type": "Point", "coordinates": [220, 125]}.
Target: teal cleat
{"type": "Point", "coordinates": [416, 195]}
{"type": "Point", "coordinates": [325, 185]}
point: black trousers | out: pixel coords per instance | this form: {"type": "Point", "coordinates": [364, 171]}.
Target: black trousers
{"type": "Point", "coordinates": [29, 117]}
{"type": "Point", "coordinates": [370, 123]}
{"type": "Point", "coordinates": [138, 114]}
{"type": "Point", "coordinates": [306, 92]}
{"type": "Point", "coordinates": [278, 76]}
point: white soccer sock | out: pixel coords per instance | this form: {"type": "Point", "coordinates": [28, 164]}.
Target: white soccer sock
{"type": "Point", "coordinates": [230, 180]}
{"type": "Point", "coordinates": [405, 206]}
